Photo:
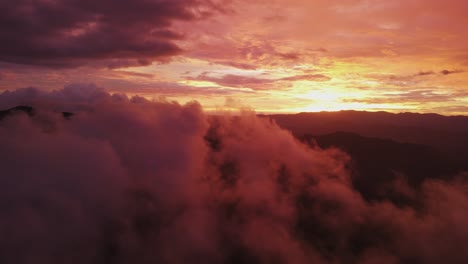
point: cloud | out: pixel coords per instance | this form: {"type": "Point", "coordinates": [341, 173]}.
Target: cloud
{"type": "Point", "coordinates": [307, 77]}
{"type": "Point", "coordinates": [127, 180]}
{"type": "Point", "coordinates": [411, 79]}
{"type": "Point", "coordinates": [249, 51]}
{"type": "Point", "coordinates": [68, 33]}
{"type": "Point", "coordinates": [447, 72]}
{"type": "Point", "coordinates": [239, 65]}
{"type": "Point", "coordinates": [135, 74]}
{"type": "Point", "coordinates": [423, 73]}
{"type": "Point", "coordinates": [288, 56]}
{"type": "Point", "coordinates": [415, 96]}
{"type": "Point", "coordinates": [233, 80]}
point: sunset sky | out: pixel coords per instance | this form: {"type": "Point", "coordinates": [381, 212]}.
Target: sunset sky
{"type": "Point", "coordinates": [273, 56]}
{"type": "Point", "coordinates": [166, 131]}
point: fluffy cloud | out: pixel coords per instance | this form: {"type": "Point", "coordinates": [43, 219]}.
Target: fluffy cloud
{"type": "Point", "coordinates": [74, 32]}
{"type": "Point", "coordinates": [125, 180]}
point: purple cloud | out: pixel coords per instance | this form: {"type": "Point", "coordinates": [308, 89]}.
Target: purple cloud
{"type": "Point", "coordinates": [233, 80]}
{"type": "Point", "coordinates": [68, 33]}
{"type": "Point", "coordinates": [126, 180]}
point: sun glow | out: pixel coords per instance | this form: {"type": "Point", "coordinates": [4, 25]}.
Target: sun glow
{"type": "Point", "coordinates": [339, 106]}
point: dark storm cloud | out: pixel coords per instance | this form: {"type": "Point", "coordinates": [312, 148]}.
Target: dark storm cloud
{"type": "Point", "coordinates": [66, 33]}
{"type": "Point", "coordinates": [125, 180]}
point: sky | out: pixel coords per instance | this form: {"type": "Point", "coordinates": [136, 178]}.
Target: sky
{"type": "Point", "coordinates": [277, 56]}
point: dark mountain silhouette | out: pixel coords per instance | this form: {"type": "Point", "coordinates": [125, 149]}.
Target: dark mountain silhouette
{"type": "Point", "coordinates": [377, 163]}
{"type": "Point", "coordinates": [387, 147]}
{"type": "Point", "coordinates": [446, 133]}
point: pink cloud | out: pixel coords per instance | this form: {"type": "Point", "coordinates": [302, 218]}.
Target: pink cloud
{"type": "Point", "coordinates": [68, 33]}
{"type": "Point", "coordinates": [128, 180]}
{"type": "Point", "coordinates": [258, 83]}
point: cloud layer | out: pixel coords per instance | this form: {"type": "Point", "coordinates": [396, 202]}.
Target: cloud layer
{"type": "Point", "coordinates": [125, 180]}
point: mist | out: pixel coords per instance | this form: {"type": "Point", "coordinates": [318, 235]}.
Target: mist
{"type": "Point", "coordinates": [127, 180]}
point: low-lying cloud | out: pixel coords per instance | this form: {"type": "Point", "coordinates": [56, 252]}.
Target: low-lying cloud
{"type": "Point", "coordinates": [126, 180]}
